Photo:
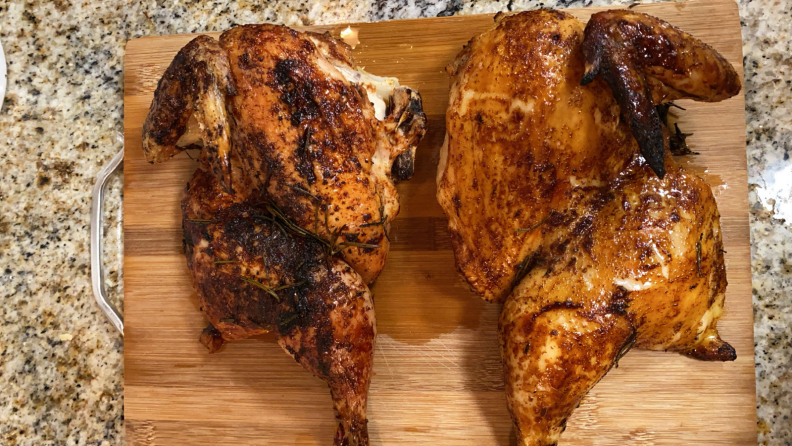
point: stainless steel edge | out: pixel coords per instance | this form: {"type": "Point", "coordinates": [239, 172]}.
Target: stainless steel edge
{"type": "Point", "coordinates": [97, 268]}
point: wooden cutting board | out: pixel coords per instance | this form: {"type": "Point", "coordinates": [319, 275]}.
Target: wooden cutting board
{"type": "Point", "coordinates": [437, 366]}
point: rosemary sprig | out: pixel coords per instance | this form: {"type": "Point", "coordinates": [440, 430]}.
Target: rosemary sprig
{"type": "Point", "coordinates": [383, 216]}
{"type": "Point", "coordinates": [270, 290]}
{"type": "Point", "coordinates": [662, 110]}
{"type": "Point", "coordinates": [302, 190]}
{"type": "Point", "coordinates": [534, 226]}
{"type": "Point", "coordinates": [368, 225]}
{"type": "Point", "coordinates": [287, 320]}
{"type": "Point", "coordinates": [676, 140]}
{"type": "Point", "coordinates": [316, 219]}
{"type": "Point", "coordinates": [228, 319]}
{"type": "Point", "coordinates": [327, 217]}
{"type": "Point", "coordinates": [336, 247]}
{"type": "Point", "coordinates": [198, 220]}
{"type": "Point", "coordinates": [262, 286]}
{"type": "Point", "coordinates": [274, 221]}
{"type": "Point", "coordinates": [698, 254]}
{"type": "Point", "coordinates": [625, 348]}
{"type": "Point", "coordinates": [525, 267]}
{"type": "Point", "coordinates": [331, 243]}
{"type": "Point", "coordinates": [290, 285]}
{"type": "Point", "coordinates": [280, 217]}
{"type": "Point", "coordinates": [358, 245]}
{"type": "Point", "coordinates": [223, 262]}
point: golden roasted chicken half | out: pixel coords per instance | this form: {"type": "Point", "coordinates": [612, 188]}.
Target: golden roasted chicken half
{"type": "Point", "coordinates": [564, 204]}
{"type": "Point", "coordinates": [286, 218]}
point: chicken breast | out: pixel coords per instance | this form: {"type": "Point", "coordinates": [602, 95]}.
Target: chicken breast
{"type": "Point", "coordinates": [521, 135]}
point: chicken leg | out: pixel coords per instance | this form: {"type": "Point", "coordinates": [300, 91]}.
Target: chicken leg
{"type": "Point", "coordinates": [254, 276]}
{"type": "Point", "coordinates": [650, 277]}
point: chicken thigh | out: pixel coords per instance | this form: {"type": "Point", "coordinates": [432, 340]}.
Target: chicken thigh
{"type": "Point", "coordinates": [286, 218]}
{"type": "Point", "coordinates": [558, 207]}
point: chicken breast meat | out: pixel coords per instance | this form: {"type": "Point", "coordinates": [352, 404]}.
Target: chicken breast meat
{"type": "Point", "coordinates": [286, 218]}
{"type": "Point", "coordinates": [562, 205]}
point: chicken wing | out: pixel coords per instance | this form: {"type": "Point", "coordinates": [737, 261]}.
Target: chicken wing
{"type": "Point", "coordinates": [286, 219]}
{"type": "Point", "coordinates": [646, 61]}
{"type": "Point", "coordinates": [553, 208]}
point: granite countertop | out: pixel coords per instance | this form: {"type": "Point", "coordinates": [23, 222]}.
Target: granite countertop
{"type": "Point", "coordinates": [61, 368]}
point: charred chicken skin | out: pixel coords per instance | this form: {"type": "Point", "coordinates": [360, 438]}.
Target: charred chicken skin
{"type": "Point", "coordinates": [558, 207]}
{"type": "Point", "coordinates": [286, 218]}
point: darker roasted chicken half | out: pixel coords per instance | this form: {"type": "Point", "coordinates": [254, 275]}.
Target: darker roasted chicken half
{"type": "Point", "coordinates": [565, 204]}
{"type": "Point", "coordinates": [286, 218]}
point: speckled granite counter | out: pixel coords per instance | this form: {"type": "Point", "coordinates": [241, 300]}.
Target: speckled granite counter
{"type": "Point", "coordinates": [61, 378]}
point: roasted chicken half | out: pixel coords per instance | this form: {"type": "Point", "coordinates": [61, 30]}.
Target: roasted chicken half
{"type": "Point", "coordinates": [562, 205]}
{"type": "Point", "coordinates": [286, 218]}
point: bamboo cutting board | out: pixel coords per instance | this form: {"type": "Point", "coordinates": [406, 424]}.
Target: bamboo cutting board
{"type": "Point", "coordinates": [437, 366]}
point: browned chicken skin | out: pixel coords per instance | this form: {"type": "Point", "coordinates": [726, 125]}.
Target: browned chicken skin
{"type": "Point", "coordinates": [307, 135]}
{"type": "Point", "coordinates": [553, 210]}
{"type": "Point", "coordinates": [286, 218]}
{"type": "Point", "coordinates": [646, 61]}
{"type": "Point", "coordinates": [195, 86]}
{"type": "Point", "coordinates": [254, 276]}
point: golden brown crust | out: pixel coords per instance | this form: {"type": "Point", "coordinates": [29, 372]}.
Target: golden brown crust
{"type": "Point", "coordinates": [194, 84]}
{"type": "Point", "coordinates": [309, 129]}
{"type": "Point", "coordinates": [288, 242]}
{"type": "Point", "coordinates": [517, 142]}
{"type": "Point", "coordinates": [646, 61]}
{"type": "Point", "coordinates": [552, 209]}
{"type": "Point", "coordinates": [254, 276]}
{"type": "Point", "coordinates": [636, 263]}
{"type": "Point", "coordinates": [307, 136]}
{"type": "Point", "coordinates": [542, 391]}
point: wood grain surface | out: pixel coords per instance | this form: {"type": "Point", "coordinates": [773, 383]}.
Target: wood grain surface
{"type": "Point", "coordinates": [437, 366]}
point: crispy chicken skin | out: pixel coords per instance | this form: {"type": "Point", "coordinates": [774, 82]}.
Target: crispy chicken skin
{"type": "Point", "coordinates": [253, 277]}
{"type": "Point", "coordinates": [305, 127]}
{"type": "Point", "coordinates": [646, 61]}
{"type": "Point", "coordinates": [285, 220]}
{"type": "Point", "coordinates": [554, 210]}
{"type": "Point", "coordinates": [517, 142]}
{"type": "Point", "coordinates": [194, 86]}
{"type": "Point", "coordinates": [636, 264]}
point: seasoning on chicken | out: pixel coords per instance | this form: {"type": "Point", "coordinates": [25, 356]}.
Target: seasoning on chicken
{"type": "Point", "coordinates": [286, 219]}
{"type": "Point", "coordinates": [646, 62]}
{"type": "Point", "coordinates": [593, 247]}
